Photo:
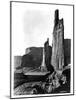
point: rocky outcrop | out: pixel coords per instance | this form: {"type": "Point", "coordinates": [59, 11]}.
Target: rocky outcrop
{"type": "Point", "coordinates": [67, 51]}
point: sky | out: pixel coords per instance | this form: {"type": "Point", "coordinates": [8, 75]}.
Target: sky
{"type": "Point", "coordinates": [32, 24]}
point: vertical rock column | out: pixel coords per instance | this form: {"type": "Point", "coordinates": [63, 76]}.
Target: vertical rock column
{"type": "Point", "coordinates": [43, 65]}
{"type": "Point", "coordinates": [47, 54]}
{"type": "Point", "coordinates": [57, 59]}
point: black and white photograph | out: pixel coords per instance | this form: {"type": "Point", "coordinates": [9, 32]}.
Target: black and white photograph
{"type": "Point", "coordinates": [41, 49]}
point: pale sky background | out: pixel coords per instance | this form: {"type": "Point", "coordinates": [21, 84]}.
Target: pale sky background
{"type": "Point", "coordinates": [32, 24]}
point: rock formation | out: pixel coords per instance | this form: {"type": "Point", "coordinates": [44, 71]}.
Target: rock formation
{"type": "Point", "coordinates": [46, 56]}
{"type": "Point", "coordinates": [57, 60]}
{"type": "Point", "coordinates": [47, 53]}
{"type": "Point", "coordinates": [43, 64]}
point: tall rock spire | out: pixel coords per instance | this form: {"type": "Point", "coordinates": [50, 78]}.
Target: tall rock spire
{"type": "Point", "coordinates": [45, 58]}
{"type": "Point", "coordinates": [57, 59]}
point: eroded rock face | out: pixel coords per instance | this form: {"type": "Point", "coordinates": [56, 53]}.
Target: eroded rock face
{"type": "Point", "coordinates": [58, 43]}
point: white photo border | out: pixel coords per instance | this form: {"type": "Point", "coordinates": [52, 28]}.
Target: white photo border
{"type": "Point", "coordinates": [72, 57]}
